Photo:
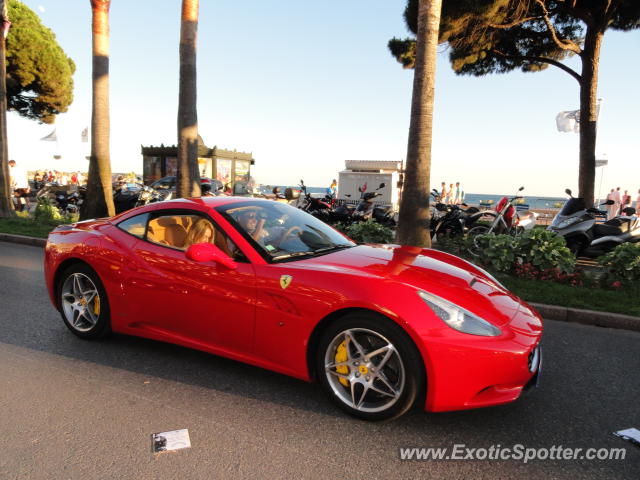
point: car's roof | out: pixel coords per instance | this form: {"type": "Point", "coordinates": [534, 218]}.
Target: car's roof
{"type": "Point", "coordinates": [210, 202]}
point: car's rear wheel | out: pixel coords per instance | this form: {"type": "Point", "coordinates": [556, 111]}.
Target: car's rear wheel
{"type": "Point", "coordinates": [369, 367]}
{"type": "Point", "coordinates": [83, 302]}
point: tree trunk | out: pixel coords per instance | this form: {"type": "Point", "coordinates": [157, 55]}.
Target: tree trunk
{"type": "Point", "coordinates": [188, 177]}
{"type": "Point", "coordinates": [589, 114]}
{"type": "Point", "coordinates": [413, 222]}
{"type": "Point", "coordinates": [6, 203]}
{"type": "Point", "coordinates": [99, 198]}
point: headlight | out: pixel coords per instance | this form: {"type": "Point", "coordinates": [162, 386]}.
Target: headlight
{"type": "Point", "coordinates": [568, 221]}
{"type": "Point", "coordinates": [458, 318]}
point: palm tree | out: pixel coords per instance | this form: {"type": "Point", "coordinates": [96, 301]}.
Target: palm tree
{"type": "Point", "coordinates": [6, 205]}
{"type": "Point", "coordinates": [188, 177]}
{"type": "Point", "coordinates": [413, 222]}
{"type": "Point", "coordinates": [99, 201]}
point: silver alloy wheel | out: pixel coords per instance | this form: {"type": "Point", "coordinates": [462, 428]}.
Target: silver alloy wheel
{"type": "Point", "coordinates": [80, 300]}
{"type": "Point", "coordinates": [375, 372]}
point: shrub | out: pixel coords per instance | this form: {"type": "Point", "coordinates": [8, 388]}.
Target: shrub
{"type": "Point", "coordinates": [534, 254]}
{"type": "Point", "coordinates": [545, 250]}
{"type": "Point", "coordinates": [621, 266]}
{"type": "Point", "coordinates": [47, 211]}
{"type": "Point", "coordinates": [367, 232]}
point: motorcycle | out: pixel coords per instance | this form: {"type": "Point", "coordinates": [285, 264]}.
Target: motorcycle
{"type": "Point", "coordinates": [67, 202]}
{"type": "Point", "coordinates": [318, 207]}
{"type": "Point", "coordinates": [507, 220]}
{"type": "Point", "coordinates": [453, 221]}
{"type": "Point", "coordinates": [587, 238]}
{"type": "Point", "coordinates": [125, 198]}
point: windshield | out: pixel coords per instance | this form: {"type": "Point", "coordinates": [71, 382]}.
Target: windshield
{"type": "Point", "coordinates": [279, 231]}
{"type": "Point", "coordinates": [572, 206]}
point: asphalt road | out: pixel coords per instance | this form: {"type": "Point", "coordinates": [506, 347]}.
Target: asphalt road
{"type": "Point", "coordinates": [76, 409]}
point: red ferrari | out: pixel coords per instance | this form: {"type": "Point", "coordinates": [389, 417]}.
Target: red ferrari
{"type": "Point", "coordinates": [380, 327]}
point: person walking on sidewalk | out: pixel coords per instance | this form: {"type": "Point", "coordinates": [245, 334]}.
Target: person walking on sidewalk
{"type": "Point", "coordinates": [20, 185]}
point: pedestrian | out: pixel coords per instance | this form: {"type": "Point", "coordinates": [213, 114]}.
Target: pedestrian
{"type": "Point", "coordinates": [617, 198]}
{"type": "Point", "coordinates": [611, 208]}
{"type": "Point", "coordinates": [20, 186]}
{"type": "Point", "coordinates": [626, 201]}
{"type": "Point", "coordinates": [450, 194]}
{"type": "Point", "coordinates": [443, 193]}
{"type": "Point", "coordinates": [333, 188]}
{"type": "Point", "coordinates": [459, 195]}
{"type": "Point", "coordinates": [638, 203]}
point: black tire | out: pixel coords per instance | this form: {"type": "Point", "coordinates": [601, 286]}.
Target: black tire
{"type": "Point", "coordinates": [403, 370]}
{"type": "Point", "coordinates": [97, 308]}
{"type": "Point", "coordinates": [474, 248]}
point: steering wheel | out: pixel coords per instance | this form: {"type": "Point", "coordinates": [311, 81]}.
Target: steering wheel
{"type": "Point", "coordinates": [287, 234]}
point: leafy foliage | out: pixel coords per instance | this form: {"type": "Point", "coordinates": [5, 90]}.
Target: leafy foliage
{"type": "Point", "coordinates": [498, 36]}
{"type": "Point", "coordinates": [622, 265]}
{"type": "Point", "coordinates": [47, 211]}
{"type": "Point", "coordinates": [39, 73]}
{"type": "Point", "coordinates": [536, 254]}
{"type": "Point", "coordinates": [367, 232]}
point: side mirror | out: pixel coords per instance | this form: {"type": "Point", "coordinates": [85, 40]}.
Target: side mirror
{"type": "Point", "coordinates": [208, 252]}
{"type": "Point", "coordinates": [567, 191]}
{"type": "Point", "coordinates": [301, 182]}
{"type": "Point", "coordinates": [382, 185]}
{"type": "Point", "coordinates": [348, 195]}
{"type": "Point", "coordinates": [609, 202]}
{"type": "Point", "coordinates": [520, 189]}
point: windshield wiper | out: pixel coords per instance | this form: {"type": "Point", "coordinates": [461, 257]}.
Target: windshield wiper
{"type": "Point", "coordinates": [332, 248]}
{"type": "Point", "coordinates": [294, 254]}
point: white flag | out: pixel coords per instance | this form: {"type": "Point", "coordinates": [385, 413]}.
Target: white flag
{"type": "Point", "coordinates": [52, 137]}
{"type": "Point", "coordinates": [569, 121]}
{"type": "Point", "coordinates": [84, 136]}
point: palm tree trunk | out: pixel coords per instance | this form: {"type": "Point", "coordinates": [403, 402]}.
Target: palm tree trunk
{"type": "Point", "coordinates": [589, 114]}
{"type": "Point", "coordinates": [6, 204]}
{"type": "Point", "coordinates": [99, 201]}
{"type": "Point", "coordinates": [188, 177]}
{"type": "Point", "coordinates": [413, 224]}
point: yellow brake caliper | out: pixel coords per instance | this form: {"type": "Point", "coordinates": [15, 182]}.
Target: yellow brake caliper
{"type": "Point", "coordinates": [96, 305]}
{"type": "Point", "coordinates": [341, 356]}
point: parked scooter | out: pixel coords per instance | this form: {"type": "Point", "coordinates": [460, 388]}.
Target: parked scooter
{"type": "Point", "coordinates": [584, 237]}
{"type": "Point", "coordinates": [367, 210]}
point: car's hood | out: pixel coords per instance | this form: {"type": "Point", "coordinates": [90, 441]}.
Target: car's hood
{"type": "Point", "coordinates": [436, 272]}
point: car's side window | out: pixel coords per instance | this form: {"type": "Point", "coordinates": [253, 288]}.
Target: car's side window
{"type": "Point", "coordinates": [135, 225]}
{"type": "Point", "coordinates": [180, 231]}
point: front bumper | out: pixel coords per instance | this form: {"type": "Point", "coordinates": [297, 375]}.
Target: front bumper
{"type": "Point", "coordinates": [465, 373]}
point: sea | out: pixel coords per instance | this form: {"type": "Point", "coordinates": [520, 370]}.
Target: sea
{"type": "Point", "coordinates": [475, 199]}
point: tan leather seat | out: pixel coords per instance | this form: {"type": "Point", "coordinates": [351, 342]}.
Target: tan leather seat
{"type": "Point", "coordinates": [167, 231]}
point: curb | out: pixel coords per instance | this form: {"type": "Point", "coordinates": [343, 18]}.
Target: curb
{"type": "Point", "coordinates": [551, 312]}
{"type": "Point", "coordinates": [588, 317]}
{"type": "Point", "coordinates": [22, 239]}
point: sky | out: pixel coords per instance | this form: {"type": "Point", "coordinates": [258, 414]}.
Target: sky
{"type": "Point", "coordinates": [305, 86]}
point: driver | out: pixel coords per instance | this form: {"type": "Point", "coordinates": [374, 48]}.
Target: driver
{"type": "Point", "coordinates": [248, 220]}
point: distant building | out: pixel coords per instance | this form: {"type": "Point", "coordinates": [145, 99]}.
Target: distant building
{"type": "Point", "coordinates": [372, 173]}
{"type": "Point", "coordinates": [228, 166]}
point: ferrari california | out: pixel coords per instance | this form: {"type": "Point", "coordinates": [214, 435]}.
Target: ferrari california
{"type": "Point", "coordinates": [380, 327]}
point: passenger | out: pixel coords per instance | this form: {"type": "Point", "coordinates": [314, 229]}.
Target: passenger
{"type": "Point", "coordinates": [201, 232]}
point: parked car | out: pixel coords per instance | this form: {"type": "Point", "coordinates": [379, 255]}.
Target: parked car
{"type": "Point", "coordinates": [380, 327]}
{"type": "Point", "coordinates": [168, 184]}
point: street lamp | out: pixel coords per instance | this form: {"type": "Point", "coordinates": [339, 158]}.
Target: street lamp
{"type": "Point", "coordinates": [601, 163]}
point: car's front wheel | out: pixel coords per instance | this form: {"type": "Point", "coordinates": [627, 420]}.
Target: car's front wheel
{"type": "Point", "coordinates": [83, 302]}
{"type": "Point", "coordinates": [369, 366]}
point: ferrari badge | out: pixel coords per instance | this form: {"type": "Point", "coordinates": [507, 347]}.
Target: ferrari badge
{"type": "Point", "coordinates": [285, 281]}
